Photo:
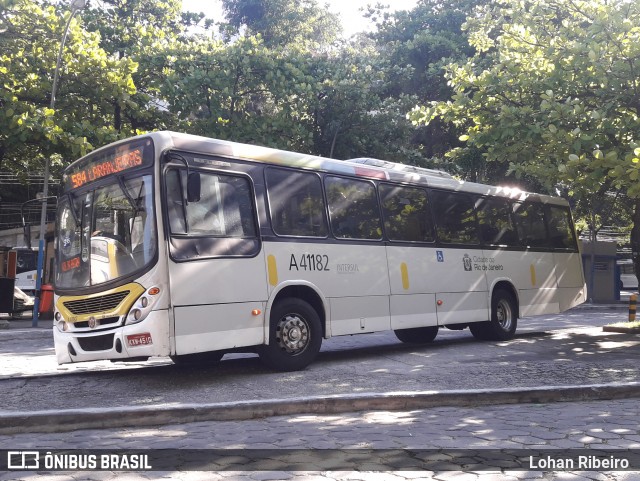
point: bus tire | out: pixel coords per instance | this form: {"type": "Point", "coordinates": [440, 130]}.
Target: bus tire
{"type": "Point", "coordinates": [198, 359]}
{"type": "Point", "coordinates": [417, 335]}
{"type": "Point", "coordinates": [295, 336]}
{"type": "Point", "coordinates": [504, 319]}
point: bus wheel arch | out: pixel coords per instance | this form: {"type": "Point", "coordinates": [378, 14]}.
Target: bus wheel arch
{"type": "Point", "coordinates": [508, 287]}
{"type": "Point", "coordinates": [296, 326]}
{"type": "Point", "coordinates": [504, 314]}
{"type": "Point", "coordinates": [308, 294]}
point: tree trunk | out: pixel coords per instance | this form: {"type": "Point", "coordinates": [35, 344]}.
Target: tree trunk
{"type": "Point", "coordinates": [117, 117]}
{"type": "Point", "coordinates": [635, 238]}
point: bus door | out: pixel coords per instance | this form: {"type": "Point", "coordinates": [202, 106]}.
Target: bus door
{"type": "Point", "coordinates": [457, 275]}
{"type": "Point", "coordinates": [217, 271]}
{"type": "Point", "coordinates": [535, 269]}
{"type": "Point", "coordinates": [411, 232]}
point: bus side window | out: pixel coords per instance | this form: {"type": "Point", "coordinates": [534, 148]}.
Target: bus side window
{"type": "Point", "coordinates": [353, 208]}
{"type": "Point", "coordinates": [175, 205]}
{"type": "Point", "coordinates": [455, 218]}
{"type": "Point", "coordinates": [530, 223]}
{"type": "Point", "coordinates": [561, 231]}
{"type": "Point", "coordinates": [496, 224]}
{"type": "Point", "coordinates": [296, 203]}
{"type": "Point", "coordinates": [406, 214]}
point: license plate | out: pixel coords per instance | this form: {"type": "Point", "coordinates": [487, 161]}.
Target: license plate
{"type": "Point", "coordinates": [139, 339]}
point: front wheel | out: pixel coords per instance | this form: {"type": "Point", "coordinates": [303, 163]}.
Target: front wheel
{"type": "Point", "coordinates": [417, 335]}
{"type": "Point", "coordinates": [295, 336]}
{"type": "Point", "coordinates": [504, 319]}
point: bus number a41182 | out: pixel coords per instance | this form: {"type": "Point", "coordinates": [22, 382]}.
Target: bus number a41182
{"type": "Point", "coordinates": [309, 262]}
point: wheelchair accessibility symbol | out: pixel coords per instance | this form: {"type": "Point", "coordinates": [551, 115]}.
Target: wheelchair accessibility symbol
{"type": "Point", "coordinates": [440, 256]}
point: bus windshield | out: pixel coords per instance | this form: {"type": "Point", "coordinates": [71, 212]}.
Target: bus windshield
{"type": "Point", "coordinates": [106, 233]}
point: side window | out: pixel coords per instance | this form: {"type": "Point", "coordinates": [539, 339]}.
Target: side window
{"type": "Point", "coordinates": [455, 218]}
{"type": "Point", "coordinates": [223, 209]}
{"type": "Point", "coordinates": [496, 225]}
{"type": "Point", "coordinates": [561, 233]}
{"type": "Point", "coordinates": [530, 223]}
{"type": "Point", "coordinates": [221, 223]}
{"type": "Point", "coordinates": [353, 208]}
{"type": "Point", "coordinates": [296, 203]}
{"type": "Point", "coordinates": [406, 214]}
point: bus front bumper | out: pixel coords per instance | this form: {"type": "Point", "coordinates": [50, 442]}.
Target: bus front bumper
{"type": "Point", "coordinates": [147, 338]}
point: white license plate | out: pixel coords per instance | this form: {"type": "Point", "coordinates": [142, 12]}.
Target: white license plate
{"type": "Point", "coordinates": [139, 339]}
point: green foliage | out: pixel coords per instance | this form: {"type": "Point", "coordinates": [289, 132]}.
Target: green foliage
{"type": "Point", "coordinates": [29, 130]}
{"type": "Point", "coordinates": [419, 44]}
{"type": "Point", "coordinates": [552, 91]}
{"type": "Point", "coordinates": [302, 23]}
{"type": "Point", "coordinates": [279, 78]}
{"type": "Point", "coordinates": [241, 91]}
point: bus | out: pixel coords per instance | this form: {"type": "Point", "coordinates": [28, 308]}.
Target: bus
{"type": "Point", "coordinates": [170, 244]}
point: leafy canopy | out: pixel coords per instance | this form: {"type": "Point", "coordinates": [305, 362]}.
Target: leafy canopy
{"type": "Point", "coordinates": [553, 91]}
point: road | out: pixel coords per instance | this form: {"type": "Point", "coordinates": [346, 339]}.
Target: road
{"type": "Point", "coordinates": [568, 349]}
{"type": "Point", "coordinates": [572, 351]}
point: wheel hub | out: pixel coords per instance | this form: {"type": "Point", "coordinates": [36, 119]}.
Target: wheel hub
{"type": "Point", "coordinates": [293, 334]}
{"type": "Point", "coordinates": [503, 313]}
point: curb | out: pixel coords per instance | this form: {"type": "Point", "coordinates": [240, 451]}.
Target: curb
{"type": "Point", "coordinates": [13, 422]}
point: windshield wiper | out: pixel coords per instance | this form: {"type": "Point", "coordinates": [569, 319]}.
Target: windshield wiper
{"type": "Point", "coordinates": [137, 208]}
{"type": "Point", "coordinates": [126, 193]}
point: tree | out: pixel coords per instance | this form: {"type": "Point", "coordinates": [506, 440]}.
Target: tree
{"type": "Point", "coordinates": [353, 115]}
{"type": "Point", "coordinates": [29, 130]}
{"type": "Point", "coordinates": [302, 23]}
{"type": "Point", "coordinates": [423, 41]}
{"type": "Point", "coordinates": [137, 30]}
{"type": "Point", "coordinates": [242, 91]}
{"type": "Point", "coordinates": [554, 92]}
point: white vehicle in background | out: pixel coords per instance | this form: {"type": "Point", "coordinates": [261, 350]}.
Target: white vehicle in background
{"type": "Point", "coordinates": [26, 269]}
{"type": "Point", "coordinates": [22, 302]}
{"type": "Point", "coordinates": [628, 279]}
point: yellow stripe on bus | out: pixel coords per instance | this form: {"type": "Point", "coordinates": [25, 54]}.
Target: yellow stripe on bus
{"type": "Point", "coordinates": [404, 271]}
{"type": "Point", "coordinates": [532, 269]}
{"type": "Point", "coordinates": [273, 270]}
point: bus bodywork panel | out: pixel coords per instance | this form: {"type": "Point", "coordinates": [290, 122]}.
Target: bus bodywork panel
{"type": "Point", "coordinates": [459, 292]}
{"type": "Point", "coordinates": [353, 279]}
{"type": "Point", "coordinates": [204, 319]}
{"type": "Point", "coordinates": [147, 338]}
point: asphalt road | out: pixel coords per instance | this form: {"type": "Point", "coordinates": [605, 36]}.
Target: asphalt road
{"type": "Point", "coordinates": [567, 349]}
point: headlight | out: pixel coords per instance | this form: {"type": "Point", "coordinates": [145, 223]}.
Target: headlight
{"type": "Point", "coordinates": [143, 306]}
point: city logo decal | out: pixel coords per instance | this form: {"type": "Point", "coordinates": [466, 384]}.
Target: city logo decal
{"type": "Point", "coordinates": [466, 261]}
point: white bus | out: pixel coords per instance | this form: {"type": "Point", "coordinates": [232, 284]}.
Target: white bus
{"type": "Point", "coordinates": [176, 245]}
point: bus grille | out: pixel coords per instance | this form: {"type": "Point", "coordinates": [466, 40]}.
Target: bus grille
{"type": "Point", "coordinates": [101, 322]}
{"type": "Point", "coordinates": [96, 304]}
{"type": "Point", "coordinates": [96, 343]}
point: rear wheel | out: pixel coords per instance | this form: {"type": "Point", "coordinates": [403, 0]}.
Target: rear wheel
{"type": "Point", "coordinates": [295, 336]}
{"type": "Point", "coordinates": [504, 319]}
{"type": "Point", "coordinates": [417, 335]}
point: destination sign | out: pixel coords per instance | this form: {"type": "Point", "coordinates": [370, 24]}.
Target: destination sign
{"type": "Point", "coordinates": [114, 161]}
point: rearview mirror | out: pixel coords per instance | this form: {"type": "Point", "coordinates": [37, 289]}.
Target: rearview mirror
{"type": "Point", "coordinates": [27, 235]}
